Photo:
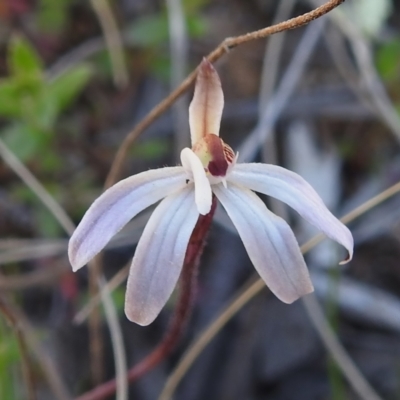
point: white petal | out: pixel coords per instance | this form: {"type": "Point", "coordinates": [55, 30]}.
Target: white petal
{"type": "Point", "coordinates": [159, 256]}
{"type": "Point", "coordinates": [292, 189]}
{"type": "Point", "coordinates": [205, 110]}
{"type": "Point", "coordinates": [203, 193]}
{"type": "Point", "coordinates": [269, 241]}
{"type": "Point", "coordinates": [116, 206]}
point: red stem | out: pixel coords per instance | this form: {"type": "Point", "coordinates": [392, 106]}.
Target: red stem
{"type": "Point", "coordinates": [181, 314]}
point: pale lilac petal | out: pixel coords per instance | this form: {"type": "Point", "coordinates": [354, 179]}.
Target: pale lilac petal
{"type": "Point", "coordinates": [194, 167]}
{"type": "Point", "coordinates": [205, 110]}
{"type": "Point", "coordinates": [159, 256]}
{"type": "Point", "coordinates": [116, 206]}
{"type": "Point", "coordinates": [292, 189]}
{"type": "Point", "coordinates": [269, 241]}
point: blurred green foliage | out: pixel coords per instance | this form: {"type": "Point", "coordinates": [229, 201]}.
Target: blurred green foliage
{"type": "Point", "coordinates": [150, 149]}
{"type": "Point", "coordinates": [388, 60]}
{"type": "Point", "coordinates": [9, 362]}
{"type": "Point", "coordinates": [34, 104]}
{"type": "Point", "coordinates": [388, 65]}
{"type": "Point", "coordinates": [52, 15]}
{"type": "Point", "coordinates": [151, 32]}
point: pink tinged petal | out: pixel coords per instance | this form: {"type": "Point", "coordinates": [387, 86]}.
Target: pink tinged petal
{"type": "Point", "coordinates": [116, 206]}
{"type": "Point", "coordinates": [292, 189]}
{"type": "Point", "coordinates": [269, 241]}
{"type": "Point", "coordinates": [203, 195]}
{"type": "Point", "coordinates": [159, 256]}
{"type": "Point", "coordinates": [205, 110]}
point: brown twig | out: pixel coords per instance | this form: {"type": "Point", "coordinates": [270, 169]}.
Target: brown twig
{"type": "Point", "coordinates": [217, 53]}
{"type": "Point", "coordinates": [25, 362]}
{"type": "Point", "coordinates": [181, 315]}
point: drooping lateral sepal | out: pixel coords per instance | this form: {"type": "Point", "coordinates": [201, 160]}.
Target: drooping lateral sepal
{"type": "Point", "coordinates": [295, 191]}
{"type": "Point", "coordinates": [269, 241]}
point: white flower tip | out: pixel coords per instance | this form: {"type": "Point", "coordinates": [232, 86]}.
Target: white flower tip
{"type": "Point", "coordinates": [290, 296]}
{"type": "Point", "coordinates": [203, 206]}
{"type": "Point", "coordinates": [206, 68]}
{"type": "Point", "coordinates": [138, 316]}
{"type": "Point", "coordinates": [185, 159]}
{"type": "Point", "coordinates": [76, 266]}
{"type": "Point", "coordinates": [74, 256]}
{"type": "Point", "coordinates": [348, 243]}
{"type": "Point", "coordinates": [348, 259]}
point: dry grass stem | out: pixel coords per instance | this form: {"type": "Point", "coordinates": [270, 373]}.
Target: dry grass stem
{"type": "Point", "coordinates": [27, 370]}
{"type": "Point", "coordinates": [110, 286]}
{"type": "Point", "coordinates": [35, 278]}
{"type": "Point", "coordinates": [113, 41]}
{"type": "Point", "coordinates": [117, 341]}
{"type": "Point", "coordinates": [357, 381]}
{"type": "Point", "coordinates": [29, 179]}
{"type": "Point", "coordinates": [179, 49]}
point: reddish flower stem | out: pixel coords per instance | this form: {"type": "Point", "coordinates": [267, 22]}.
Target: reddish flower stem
{"type": "Point", "coordinates": [182, 311]}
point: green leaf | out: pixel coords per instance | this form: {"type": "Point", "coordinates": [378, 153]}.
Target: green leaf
{"type": "Point", "coordinates": [193, 6]}
{"type": "Point", "coordinates": [196, 26]}
{"type": "Point", "coordinates": [47, 225]}
{"type": "Point", "coordinates": [51, 162]}
{"type": "Point", "coordinates": [9, 98]}
{"type": "Point", "coordinates": [23, 141]}
{"type": "Point", "coordinates": [9, 357]}
{"type": "Point", "coordinates": [153, 30]}
{"type": "Point", "coordinates": [64, 90]}
{"type": "Point", "coordinates": [18, 95]}
{"type": "Point", "coordinates": [149, 31]}
{"type": "Point", "coordinates": [45, 113]}
{"type": "Point", "coordinates": [388, 60]}
{"type": "Point", "coordinates": [52, 15]}
{"type": "Point", "coordinates": [150, 149]}
{"type": "Point", "coordinates": [161, 67]}
{"type": "Point", "coordinates": [23, 58]}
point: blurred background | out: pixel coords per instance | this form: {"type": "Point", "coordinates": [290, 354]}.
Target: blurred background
{"type": "Point", "coordinates": [323, 100]}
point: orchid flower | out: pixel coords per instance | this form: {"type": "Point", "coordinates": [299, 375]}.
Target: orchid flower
{"type": "Point", "coordinates": [208, 167]}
